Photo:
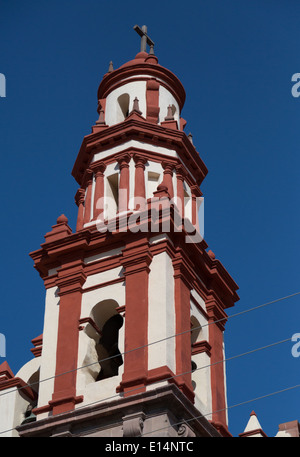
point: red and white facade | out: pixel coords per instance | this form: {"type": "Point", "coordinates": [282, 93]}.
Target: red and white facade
{"type": "Point", "coordinates": [132, 255]}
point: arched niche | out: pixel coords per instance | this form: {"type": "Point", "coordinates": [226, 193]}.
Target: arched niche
{"type": "Point", "coordinates": [123, 107]}
{"type": "Point", "coordinates": [103, 357]}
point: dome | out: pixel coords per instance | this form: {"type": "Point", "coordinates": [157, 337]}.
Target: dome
{"type": "Point", "coordinates": [144, 66]}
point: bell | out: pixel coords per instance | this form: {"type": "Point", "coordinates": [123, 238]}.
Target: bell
{"type": "Point", "coordinates": [29, 416]}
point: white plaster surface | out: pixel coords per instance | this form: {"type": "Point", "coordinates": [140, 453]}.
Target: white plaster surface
{"type": "Point", "coordinates": [161, 316]}
{"type": "Point", "coordinates": [50, 331]}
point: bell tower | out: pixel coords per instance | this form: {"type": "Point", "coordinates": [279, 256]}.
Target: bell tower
{"type": "Point", "coordinates": [135, 310]}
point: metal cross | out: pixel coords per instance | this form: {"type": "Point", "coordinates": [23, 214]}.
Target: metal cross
{"type": "Point", "coordinates": [145, 39]}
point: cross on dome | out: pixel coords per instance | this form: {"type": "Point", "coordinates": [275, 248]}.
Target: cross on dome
{"type": "Point", "coordinates": [145, 39]}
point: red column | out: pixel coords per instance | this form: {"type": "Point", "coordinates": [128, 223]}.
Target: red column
{"type": "Point", "coordinates": [123, 161]}
{"type": "Point", "coordinates": [182, 285]}
{"type": "Point", "coordinates": [136, 261]}
{"type": "Point", "coordinates": [99, 190]}
{"type": "Point", "coordinates": [180, 189]}
{"type": "Point", "coordinates": [215, 313]}
{"type": "Point", "coordinates": [168, 175]}
{"type": "Point", "coordinates": [79, 198]}
{"type": "Point", "coordinates": [88, 197]}
{"type": "Point", "coordinates": [71, 277]}
{"type": "Point", "coordinates": [196, 192]}
{"type": "Point", "coordinates": [139, 182]}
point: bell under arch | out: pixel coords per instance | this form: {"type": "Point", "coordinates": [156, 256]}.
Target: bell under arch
{"type": "Point", "coordinates": [102, 354]}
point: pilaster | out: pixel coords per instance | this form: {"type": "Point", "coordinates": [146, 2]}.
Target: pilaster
{"type": "Point", "coordinates": [136, 260]}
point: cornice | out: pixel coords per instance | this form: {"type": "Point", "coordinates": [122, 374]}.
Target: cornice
{"type": "Point", "coordinates": [190, 259]}
{"type": "Point", "coordinates": [140, 130]}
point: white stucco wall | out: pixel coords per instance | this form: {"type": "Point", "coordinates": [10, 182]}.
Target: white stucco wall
{"type": "Point", "coordinates": [166, 99]}
{"type": "Point", "coordinates": [12, 408]}
{"type": "Point", "coordinates": [138, 89]}
{"type": "Point", "coordinates": [47, 371]}
{"type": "Point", "coordinates": [161, 316]}
{"type": "Point", "coordinates": [134, 144]}
{"type": "Point", "coordinates": [133, 89]}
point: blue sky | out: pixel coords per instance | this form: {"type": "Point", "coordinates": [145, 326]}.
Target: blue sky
{"type": "Point", "coordinates": [235, 60]}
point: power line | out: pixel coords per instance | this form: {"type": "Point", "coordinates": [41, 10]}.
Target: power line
{"type": "Point", "coordinates": [154, 342]}
{"type": "Point", "coordinates": [172, 377]}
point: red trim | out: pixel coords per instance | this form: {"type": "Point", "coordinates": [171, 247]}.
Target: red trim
{"type": "Point", "coordinates": [89, 320]}
{"type": "Point", "coordinates": [152, 100]}
{"type": "Point", "coordinates": [136, 261]}
{"type": "Point", "coordinates": [180, 175]}
{"type": "Point", "coordinates": [79, 198]}
{"type": "Point", "coordinates": [191, 262]}
{"type": "Point", "coordinates": [62, 403]}
{"type": "Point", "coordinates": [201, 346]}
{"type": "Point", "coordinates": [168, 175]}
{"type": "Point", "coordinates": [154, 157]}
{"type": "Point", "coordinates": [182, 274]}
{"type": "Point", "coordinates": [59, 231]}
{"type": "Point", "coordinates": [217, 369]}
{"type": "Point", "coordinates": [172, 124]}
{"type": "Point", "coordinates": [257, 431]}
{"type": "Point", "coordinates": [99, 188]}
{"type": "Point", "coordinates": [70, 280]}
{"type": "Point", "coordinates": [124, 183]}
{"type": "Point", "coordinates": [222, 429]}
{"type": "Point", "coordinates": [164, 373]}
{"type": "Point", "coordinates": [140, 130]}
{"type": "Point", "coordinates": [88, 198]}
{"type": "Point", "coordinates": [139, 180]}
{"type": "Point", "coordinates": [19, 384]}
{"type": "Point", "coordinates": [5, 372]}
{"type": "Point", "coordinates": [134, 69]}
{"type": "Point", "coordinates": [38, 345]}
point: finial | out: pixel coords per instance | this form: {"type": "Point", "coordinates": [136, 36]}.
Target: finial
{"type": "Point", "coordinates": [111, 67]}
{"type": "Point", "coordinates": [62, 219]}
{"type": "Point", "coordinates": [169, 116]}
{"type": "Point", "coordinates": [101, 119]}
{"type": "Point", "coordinates": [136, 107]}
{"type": "Point", "coordinates": [151, 58]}
{"type": "Point", "coordinates": [190, 137]}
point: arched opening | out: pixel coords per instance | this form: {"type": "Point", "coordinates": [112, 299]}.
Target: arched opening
{"type": "Point", "coordinates": [108, 348]}
{"type": "Point", "coordinates": [108, 322]}
{"type": "Point", "coordinates": [123, 107]}
{"type": "Point", "coordinates": [34, 383]}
